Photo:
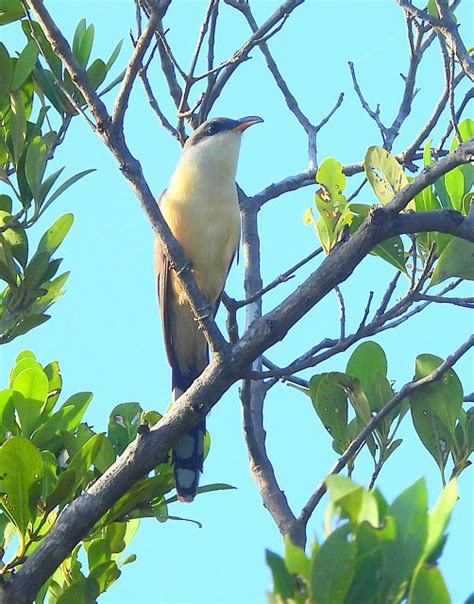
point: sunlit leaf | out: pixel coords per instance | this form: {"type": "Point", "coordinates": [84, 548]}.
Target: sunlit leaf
{"type": "Point", "coordinates": [21, 473]}
{"type": "Point", "coordinates": [384, 173]}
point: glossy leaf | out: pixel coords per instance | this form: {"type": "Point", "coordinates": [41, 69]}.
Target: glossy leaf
{"type": "Point", "coordinates": [21, 473]}
{"type": "Point", "coordinates": [113, 57]}
{"type": "Point", "coordinates": [84, 591]}
{"type": "Point", "coordinates": [63, 491]}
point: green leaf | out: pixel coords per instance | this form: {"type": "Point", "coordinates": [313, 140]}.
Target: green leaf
{"type": "Point", "coordinates": [83, 42]}
{"type": "Point", "coordinates": [66, 184]}
{"type": "Point", "coordinates": [454, 182]}
{"type": "Point", "coordinates": [146, 491]}
{"type": "Point", "coordinates": [113, 83]}
{"type": "Point", "coordinates": [106, 574]}
{"type": "Point", "coordinates": [391, 250]}
{"type": "Point", "coordinates": [24, 65]}
{"type": "Point", "coordinates": [66, 419]}
{"type": "Point", "coordinates": [29, 323]}
{"type": "Point", "coordinates": [84, 591]}
{"type": "Point", "coordinates": [54, 236]}
{"type": "Point", "coordinates": [296, 561]}
{"type": "Point", "coordinates": [21, 473]}
{"type": "Point", "coordinates": [445, 395]}
{"type": "Point", "coordinates": [50, 478]}
{"type": "Point", "coordinates": [355, 392]}
{"type": "Point", "coordinates": [8, 270]}
{"type": "Point", "coordinates": [283, 581]}
{"type": "Point", "coordinates": [409, 512]}
{"type": "Point", "coordinates": [352, 501]}
{"type": "Point", "coordinates": [113, 56]}
{"type": "Point", "coordinates": [123, 425]}
{"type": "Point", "coordinates": [98, 552]}
{"type": "Point", "coordinates": [10, 10]}
{"type": "Point", "coordinates": [330, 403]}
{"type": "Point", "coordinates": [457, 260]}
{"type": "Point", "coordinates": [96, 73]}
{"type": "Point", "coordinates": [5, 71]}
{"type": "Point", "coordinates": [6, 203]}
{"type": "Point", "coordinates": [438, 517]}
{"type": "Point", "coordinates": [331, 581]}
{"type": "Point", "coordinates": [36, 269]}
{"type": "Point", "coordinates": [384, 173]}
{"type": "Point", "coordinates": [331, 175]}
{"type": "Point", "coordinates": [63, 491]}
{"type": "Point", "coordinates": [366, 585]}
{"type": "Point", "coordinates": [429, 586]}
{"type": "Point", "coordinates": [51, 56]}
{"type": "Point", "coordinates": [85, 457]}
{"type": "Point", "coordinates": [17, 124]}
{"type": "Point", "coordinates": [30, 391]}
{"type": "Point", "coordinates": [35, 164]}
{"type": "Point", "coordinates": [367, 359]}
{"type": "Point", "coordinates": [16, 239]}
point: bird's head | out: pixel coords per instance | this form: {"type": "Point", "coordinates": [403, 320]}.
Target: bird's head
{"type": "Point", "coordinates": [215, 144]}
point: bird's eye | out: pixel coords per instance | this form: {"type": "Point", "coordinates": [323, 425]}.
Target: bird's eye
{"type": "Point", "coordinates": [211, 128]}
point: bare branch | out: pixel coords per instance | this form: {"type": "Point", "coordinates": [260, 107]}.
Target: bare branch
{"type": "Point", "coordinates": [135, 63]}
{"type": "Point", "coordinates": [283, 278]}
{"type": "Point", "coordinates": [463, 302]}
{"type": "Point", "coordinates": [448, 28]}
{"type": "Point", "coordinates": [342, 310]}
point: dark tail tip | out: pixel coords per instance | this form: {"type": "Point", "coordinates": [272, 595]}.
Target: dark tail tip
{"type": "Point", "coordinates": [188, 458]}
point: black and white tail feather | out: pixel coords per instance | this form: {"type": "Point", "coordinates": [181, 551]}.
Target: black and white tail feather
{"type": "Point", "coordinates": [188, 451]}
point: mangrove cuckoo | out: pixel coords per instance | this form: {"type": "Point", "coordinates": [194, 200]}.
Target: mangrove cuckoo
{"type": "Point", "coordinates": [201, 208]}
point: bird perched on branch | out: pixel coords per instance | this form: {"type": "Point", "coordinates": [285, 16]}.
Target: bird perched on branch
{"type": "Point", "coordinates": [201, 208]}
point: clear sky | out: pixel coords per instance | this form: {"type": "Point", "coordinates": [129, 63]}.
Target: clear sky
{"type": "Point", "coordinates": [106, 333]}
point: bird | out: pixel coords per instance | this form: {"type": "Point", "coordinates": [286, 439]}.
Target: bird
{"type": "Point", "coordinates": [201, 208]}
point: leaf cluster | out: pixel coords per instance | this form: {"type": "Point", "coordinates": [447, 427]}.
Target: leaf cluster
{"type": "Point", "coordinates": [455, 257]}
{"type": "Point", "coordinates": [373, 552]}
{"type": "Point", "coordinates": [443, 426]}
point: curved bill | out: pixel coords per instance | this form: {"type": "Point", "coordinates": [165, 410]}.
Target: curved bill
{"type": "Point", "coordinates": [246, 122]}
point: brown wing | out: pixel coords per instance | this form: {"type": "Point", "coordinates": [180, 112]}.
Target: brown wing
{"type": "Point", "coordinates": [163, 270]}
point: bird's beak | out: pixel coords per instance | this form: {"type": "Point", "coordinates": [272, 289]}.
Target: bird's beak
{"type": "Point", "coordinates": [246, 122]}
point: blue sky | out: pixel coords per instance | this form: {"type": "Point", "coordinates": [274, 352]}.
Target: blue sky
{"type": "Point", "coordinates": [106, 333]}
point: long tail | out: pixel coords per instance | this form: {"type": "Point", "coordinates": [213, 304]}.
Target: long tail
{"type": "Point", "coordinates": [188, 451]}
